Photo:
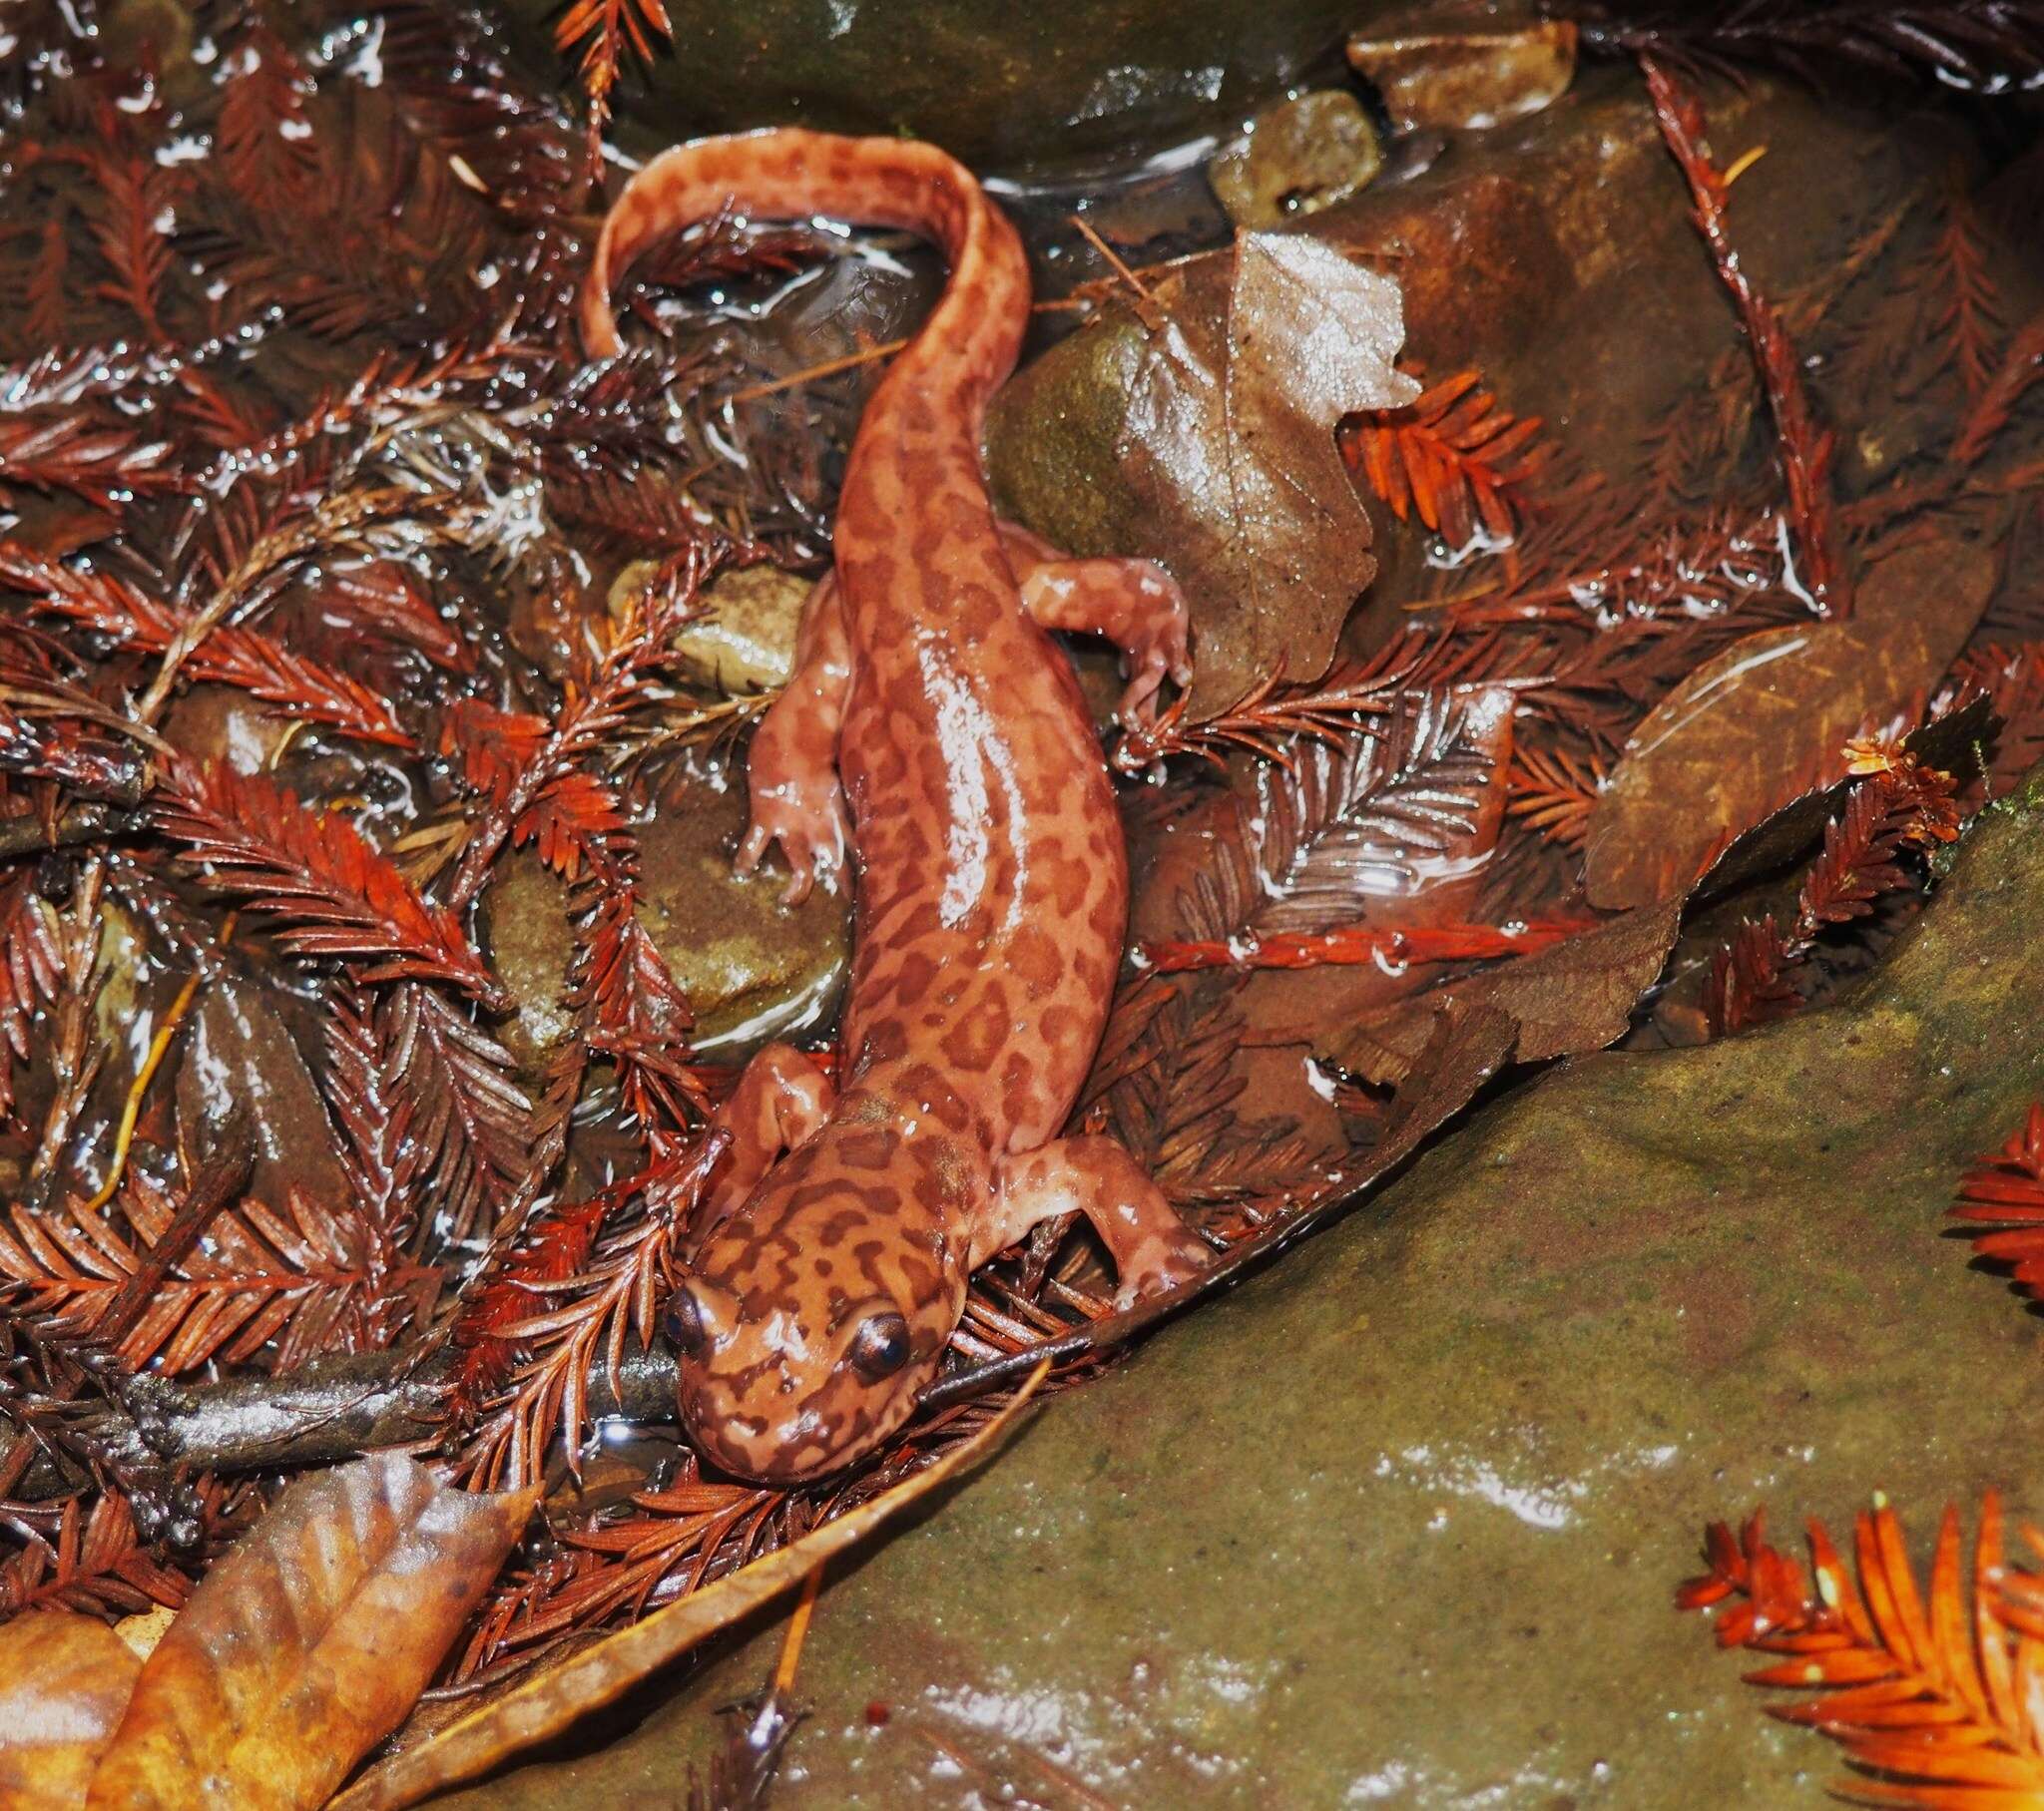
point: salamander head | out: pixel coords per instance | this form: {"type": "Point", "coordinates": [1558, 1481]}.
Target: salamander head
{"type": "Point", "coordinates": [804, 1336]}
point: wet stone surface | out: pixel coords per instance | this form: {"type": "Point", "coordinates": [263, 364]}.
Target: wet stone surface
{"type": "Point", "coordinates": [1458, 1451]}
{"type": "Point", "coordinates": [753, 969]}
{"type": "Point", "coordinates": [1554, 256]}
{"type": "Point", "coordinates": [236, 1050]}
{"type": "Point", "coordinates": [743, 640]}
{"type": "Point", "coordinates": [1050, 84]}
{"type": "Point", "coordinates": [1295, 158]}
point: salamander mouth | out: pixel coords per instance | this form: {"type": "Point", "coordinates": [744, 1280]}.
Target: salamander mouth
{"type": "Point", "coordinates": [739, 1445]}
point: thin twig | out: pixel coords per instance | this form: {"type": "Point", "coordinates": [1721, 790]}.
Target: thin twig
{"type": "Point", "coordinates": [1805, 447]}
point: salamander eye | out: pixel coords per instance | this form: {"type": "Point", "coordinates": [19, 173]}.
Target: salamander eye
{"type": "Point", "coordinates": [686, 1328]}
{"type": "Point", "coordinates": [881, 1347]}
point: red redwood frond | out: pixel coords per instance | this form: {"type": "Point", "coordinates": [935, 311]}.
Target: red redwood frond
{"type": "Point", "coordinates": [44, 321]}
{"type": "Point", "coordinates": [128, 226]}
{"type": "Point", "coordinates": [1554, 793]}
{"type": "Point", "coordinates": [304, 1277]}
{"type": "Point", "coordinates": [1451, 455]}
{"type": "Point", "coordinates": [1748, 983]}
{"type": "Point", "coordinates": [572, 1291]}
{"type": "Point", "coordinates": [2004, 1191]}
{"type": "Point", "coordinates": [102, 463]}
{"type": "Point", "coordinates": [1896, 804]}
{"type": "Point", "coordinates": [1352, 945]}
{"type": "Point", "coordinates": [265, 138]}
{"type": "Point", "coordinates": [1972, 316]}
{"type": "Point", "coordinates": [93, 1563]}
{"type": "Point", "coordinates": [2021, 365]}
{"type": "Point", "coordinates": [337, 896]}
{"type": "Point", "coordinates": [1803, 445]}
{"type": "Point", "coordinates": [31, 974]}
{"type": "Point", "coordinates": [598, 34]}
{"type": "Point", "coordinates": [1272, 713]}
{"type": "Point", "coordinates": [470, 1115]}
{"type": "Point", "coordinates": [230, 655]}
{"type": "Point", "coordinates": [572, 815]}
{"type": "Point", "coordinates": [1932, 1698]}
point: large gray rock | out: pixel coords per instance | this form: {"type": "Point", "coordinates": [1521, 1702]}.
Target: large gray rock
{"type": "Point", "coordinates": [1398, 1522]}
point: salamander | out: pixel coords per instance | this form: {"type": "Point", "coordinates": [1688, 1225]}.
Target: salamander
{"type": "Point", "coordinates": [934, 733]}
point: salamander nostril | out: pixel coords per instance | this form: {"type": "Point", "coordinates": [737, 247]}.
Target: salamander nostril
{"type": "Point", "coordinates": [686, 1328]}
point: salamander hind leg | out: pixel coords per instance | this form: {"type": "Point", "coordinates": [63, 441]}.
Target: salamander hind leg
{"type": "Point", "coordinates": [791, 767]}
{"type": "Point", "coordinates": [780, 1102]}
{"type": "Point", "coordinates": [1135, 604]}
{"type": "Point", "coordinates": [1153, 1249]}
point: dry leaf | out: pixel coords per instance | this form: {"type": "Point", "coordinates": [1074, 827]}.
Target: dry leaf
{"type": "Point", "coordinates": [142, 1633]}
{"type": "Point", "coordinates": [1769, 718]}
{"type": "Point", "coordinates": [1228, 442]}
{"type": "Point", "coordinates": [64, 1683]}
{"type": "Point", "coordinates": [309, 1640]}
{"type": "Point", "coordinates": [604, 1671]}
{"type": "Point", "coordinates": [1577, 996]}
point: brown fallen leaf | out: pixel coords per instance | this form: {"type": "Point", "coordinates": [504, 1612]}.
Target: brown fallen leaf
{"type": "Point", "coordinates": [1577, 996]}
{"type": "Point", "coordinates": [1228, 442]}
{"type": "Point", "coordinates": [604, 1671]}
{"type": "Point", "coordinates": [1769, 718]}
{"type": "Point", "coordinates": [308, 1642]}
{"type": "Point", "coordinates": [142, 1633]}
{"type": "Point", "coordinates": [64, 1683]}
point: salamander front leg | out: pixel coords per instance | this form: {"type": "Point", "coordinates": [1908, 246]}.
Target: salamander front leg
{"type": "Point", "coordinates": [1153, 1249]}
{"type": "Point", "coordinates": [779, 1102]}
{"type": "Point", "coordinates": [791, 767]}
{"type": "Point", "coordinates": [1135, 604]}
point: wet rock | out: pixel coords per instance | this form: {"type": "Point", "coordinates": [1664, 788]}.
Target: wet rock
{"type": "Point", "coordinates": [1456, 1451]}
{"type": "Point", "coordinates": [1556, 256]}
{"type": "Point", "coordinates": [1295, 158]}
{"type": "Point", "coordinates": [1049, 84]}
{"type": "Point", "coordinates": [743, 641]}
{"type": "Point", "coordinates": [1472, 79]}
{"type": "Point", "coordinates": [753, 969]}
{"type": "Point", "coordinates": [530, 936]}
{"type": "Point", "coordinates": [236, 1050]}
{"type": "Point", "coordinates": [219, 722]}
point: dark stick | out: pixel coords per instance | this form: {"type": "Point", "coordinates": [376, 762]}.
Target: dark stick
{"type": "Point", "coordinates": [322, 1413]}
{"type": "Point", "coordinates": [81, 823]}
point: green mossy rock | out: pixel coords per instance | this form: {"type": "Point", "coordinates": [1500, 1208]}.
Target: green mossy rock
{"type": "Point", "coordinates": [1053, 83]}
{"type": "Point", "coordinates": [1399, 1520]}
{"type": "Point", "coordinates": [752, 968]}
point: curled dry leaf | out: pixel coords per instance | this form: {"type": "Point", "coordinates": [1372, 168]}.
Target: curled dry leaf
{"type": "Point", "coordinates": [1229, 441]}
{"type": "Point", "coordinates": [601, 1674]}
{"type": "Point", "coordinates": [64, 1683]}
{"type": "Point", "coordinates": [309, 1641]}
{"type": "Point", "coordinates": [1767, 719]}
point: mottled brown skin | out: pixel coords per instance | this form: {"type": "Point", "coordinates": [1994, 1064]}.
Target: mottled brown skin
{"type": "Point", "coordinates": [991, 881]}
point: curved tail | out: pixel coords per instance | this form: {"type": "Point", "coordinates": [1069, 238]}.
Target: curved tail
{"type": "Point", "coordinates": [974, 334]}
